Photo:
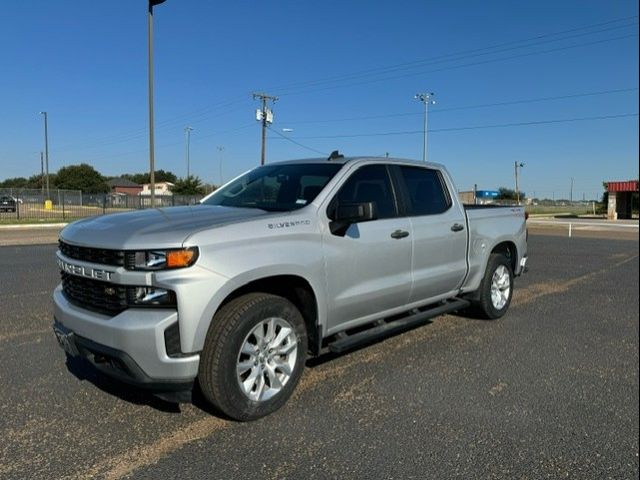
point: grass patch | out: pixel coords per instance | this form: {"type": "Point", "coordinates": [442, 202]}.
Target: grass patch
{"type": "Point", "coordinates": [568, 210]}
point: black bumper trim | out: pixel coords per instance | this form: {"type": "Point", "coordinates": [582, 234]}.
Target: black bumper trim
{"type": "Point", "coordinates": [119, 365]}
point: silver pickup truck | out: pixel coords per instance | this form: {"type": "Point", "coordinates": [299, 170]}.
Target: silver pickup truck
{"type": "Point", "coordinates": [285, 261]}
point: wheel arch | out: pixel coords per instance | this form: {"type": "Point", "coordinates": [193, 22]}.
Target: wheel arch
{"type": "Point", "coordinates": [295, 288]}
{"type": "Point", "coordinates": [509, 250]}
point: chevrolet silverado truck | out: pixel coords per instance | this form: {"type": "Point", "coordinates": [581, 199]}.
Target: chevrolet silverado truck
{"type": "Point", "coordinates": [287, 260]}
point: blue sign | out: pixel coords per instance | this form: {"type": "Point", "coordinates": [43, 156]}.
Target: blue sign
{"type": "Point", "coordinates": [487, 194]}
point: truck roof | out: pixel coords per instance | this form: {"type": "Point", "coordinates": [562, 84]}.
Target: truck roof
{"type": "Point", "coordinates": [344, 160]}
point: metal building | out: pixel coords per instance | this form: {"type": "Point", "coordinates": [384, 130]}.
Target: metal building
{"type": "Point", "coordinates": [621, 199]}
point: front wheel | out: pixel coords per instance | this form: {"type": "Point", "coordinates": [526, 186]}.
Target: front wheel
{"type": "Point", "coordinates": [496, 289]}
{"type": "Point", "coordinates": [253, 356]}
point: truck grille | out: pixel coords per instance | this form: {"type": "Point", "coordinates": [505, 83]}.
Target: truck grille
{"type": "Point", "coordinates": [102, 297]}
{"type": "Point", "coordinates": [94, 255]}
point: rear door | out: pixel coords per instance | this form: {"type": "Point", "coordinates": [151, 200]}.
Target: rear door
{"type": "Point", "coordinates": [439, 234]}
{"type": "Point", "coordinates": [368, 270]}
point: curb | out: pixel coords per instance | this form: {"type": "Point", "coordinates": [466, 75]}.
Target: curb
{"type": "Point", "coordinates": [27, 226]}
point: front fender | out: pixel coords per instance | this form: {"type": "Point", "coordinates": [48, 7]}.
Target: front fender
{"type": "Point", "coordinates": [260, 273]}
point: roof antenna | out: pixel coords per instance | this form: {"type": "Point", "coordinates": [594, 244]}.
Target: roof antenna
{"type": "Point", "coordinates": [335, 155]}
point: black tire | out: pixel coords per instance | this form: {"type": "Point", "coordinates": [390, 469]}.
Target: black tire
{"type": "Point", "coordinates": [219, 359]}
{"type": "Point", "coordinates": [484, 306]}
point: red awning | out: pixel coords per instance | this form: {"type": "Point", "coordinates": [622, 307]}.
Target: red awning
{"type": "Point", "coordinates": [628, 186]}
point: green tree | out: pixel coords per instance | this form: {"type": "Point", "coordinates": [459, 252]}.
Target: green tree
{"type": "Point", "coordinates": [16, 182]}
{"type": "Point", "coordinates": [36, 181]}
{"type": "Point", "coordinates": [81, 177]}
{"type": "Point", "coordinates": [188, 186]}
{"type": "Point", "coordinates": [160, 176]}
{"type": "Point", "coordinates": [509, 194]}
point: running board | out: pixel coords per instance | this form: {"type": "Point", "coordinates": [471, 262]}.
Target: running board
{"type": "Point", "coordinates": [396, 326]}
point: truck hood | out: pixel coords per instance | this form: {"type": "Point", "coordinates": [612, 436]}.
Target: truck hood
{"type": "Point", "coordinates": [152, 228]}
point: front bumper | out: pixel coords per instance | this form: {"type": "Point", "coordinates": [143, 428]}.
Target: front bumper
{"type": "Point", "coordinates": [130, 346]}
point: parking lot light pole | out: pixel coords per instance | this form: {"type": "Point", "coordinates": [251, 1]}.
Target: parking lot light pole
{"type": "Point", "coordinates": [426, 99]}
{"type": "Point", "coordinates": [518, 165]}
{"type": "Point", "coordinates": [187, 133]}
{"type": "Point", "coordinates": [152, 176]}
{"type": "Point", "coordinates": [42, 175]}
{"type": "Point", "coordinates": [221, 150]}
{"type": "Point", "coordinates": [46, 151]}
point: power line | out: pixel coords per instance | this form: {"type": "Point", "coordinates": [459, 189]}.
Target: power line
{"type": "Point", "coordinates": [381, 69]}
{"type": "Point", "coordinates": [471, 64]}
{"type": "Point", "coordinates": [172, 144]}
{"type": "Point", "coordinates": [297, 143]}
{"type": "Point", "coordinates": [464, 107]}
{"type": "Point", "coordinates": [475, 127]}
{"type": "Point", "coordinates": [125, 137]}
{"type": "Point", "coordinates": [461, 56]}
{"type": "Point", "coordinates": [140, 133]}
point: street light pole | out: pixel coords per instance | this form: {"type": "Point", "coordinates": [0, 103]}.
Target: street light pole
{"type": "Point", "coordinates": [42, 175]}
{"type": "Point", "coordinates": [221, 149]}
{"type": "Point", "coordinates": [152, 167]}
{"type": "Point", "coordinates": [187, 132]}
{"type": "Point", "coordinates": [517, 166]}
{"type": "Point", "coordinates": [426, 99]}
{"type": "Point", "coordinates": [46, 150]}
{"type": "Point", "coordinates": [571, 192]}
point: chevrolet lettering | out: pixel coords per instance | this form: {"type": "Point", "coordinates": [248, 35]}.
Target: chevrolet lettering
{"type": "Point", "coordinates": [82, 271]}
{"type": "Point", "coordinates": [289, 260]}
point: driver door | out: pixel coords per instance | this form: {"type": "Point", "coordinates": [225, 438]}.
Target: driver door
{"type": "Point", "coordinates": [368, 269]}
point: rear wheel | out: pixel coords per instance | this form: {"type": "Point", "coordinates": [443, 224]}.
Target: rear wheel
{"type": "Point", "coordinates": [253, 356]}
{"type": "Point", "coordinates": [496, 289]}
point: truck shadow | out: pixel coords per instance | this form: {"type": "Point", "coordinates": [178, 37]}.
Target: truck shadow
{"type": "Point", "coordinates": [84, 371]}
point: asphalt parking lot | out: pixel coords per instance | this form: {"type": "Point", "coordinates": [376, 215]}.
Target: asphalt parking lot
{"type": "Point", "coordinates": [549, 391]}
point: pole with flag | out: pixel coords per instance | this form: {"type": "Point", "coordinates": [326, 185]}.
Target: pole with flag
{"type": "Point", "coordinates": [152, 177]}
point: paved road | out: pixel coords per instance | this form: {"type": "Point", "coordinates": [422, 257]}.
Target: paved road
{"type": "Point", "coordinates": [550, 391]}
{"type": "Point", "coordinates": [28, 235]}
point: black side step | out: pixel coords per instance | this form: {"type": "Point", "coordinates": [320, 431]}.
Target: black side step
{"type": "Point", "coordinates": [396, 326]}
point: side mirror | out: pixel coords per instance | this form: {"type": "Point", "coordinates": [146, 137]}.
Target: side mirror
{"type": "Point", "coordinates": [347, 214]}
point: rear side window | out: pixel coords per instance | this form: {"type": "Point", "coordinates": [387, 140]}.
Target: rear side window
{"type": "Point", "coordinates": [368, 184]}
{"type": "Point", "coordinates": [427, 192]}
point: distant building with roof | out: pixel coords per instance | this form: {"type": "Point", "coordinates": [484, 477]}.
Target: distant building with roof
{"type": "Point", "coordinates": [621, 193]}
{"type": "Point", "coordinates": [162, 188]}
{"type": "Point", "coordinates": [124, 187]}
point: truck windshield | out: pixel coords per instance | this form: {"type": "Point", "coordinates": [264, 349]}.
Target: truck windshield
{"type": "Point", "coordinates": [277, 188]}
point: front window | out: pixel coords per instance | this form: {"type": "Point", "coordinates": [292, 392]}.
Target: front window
{"type": "Point", "coordinates": [277, 188]}
{"type": "Point", "coordinates": [370, 183]}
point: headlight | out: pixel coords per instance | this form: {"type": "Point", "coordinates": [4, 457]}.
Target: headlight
{"type": "Point", "coordinates": [163, 259]}
{"type": "Point", "coordinates": [152, 296]}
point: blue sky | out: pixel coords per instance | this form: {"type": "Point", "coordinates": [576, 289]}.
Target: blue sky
{"type": "Point", "coordinates": [346, 74]}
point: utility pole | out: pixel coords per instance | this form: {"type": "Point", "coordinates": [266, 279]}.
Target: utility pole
{"type": "Point", "coordinates": [187, 133]}
{"type": "Point", "coordinates": [426, 99]}
{"type": "Point", "coordinates": [265, 116]}
{"type": "Point", "coordinates": [42, 175]}
{"type": "Point", "coordinates": [221, 149]}
{"type": "Point", "coordinates": [152, 166]}
{"type": "Point", "coordinates": [518, 165]}
{"type": "Point", "coordinates": [571, 192]}
{"type": "Point", "coordinates": [46, 151]}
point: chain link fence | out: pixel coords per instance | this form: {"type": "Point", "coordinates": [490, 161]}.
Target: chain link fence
{"type": "Point", "coordinates": [66, 205]}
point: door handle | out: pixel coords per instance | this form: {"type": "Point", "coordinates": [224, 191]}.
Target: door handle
{"type": "Point", "coordinates": [399, 234]}
{"type": "Point", "coordinates": [456, 227]}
